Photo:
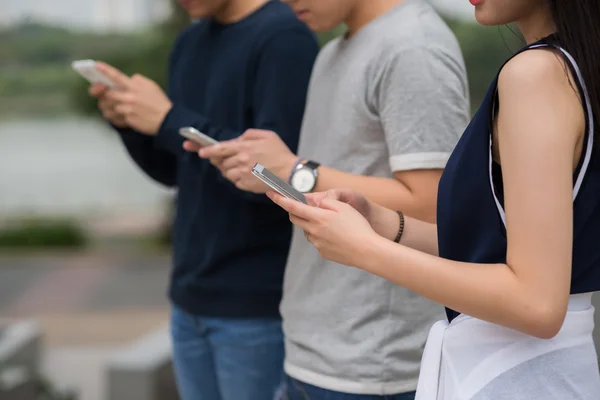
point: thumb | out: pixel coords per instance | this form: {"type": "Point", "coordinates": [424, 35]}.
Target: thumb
{"type": "Point", "coordinates": [314, 199]}
{"type": "Point", "coordinates": [112, 73]}
{"type": "Point", "coordinates": [332, 204]}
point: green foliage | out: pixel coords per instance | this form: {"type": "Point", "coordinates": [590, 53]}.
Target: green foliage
{"type": "Point", "coordinates": [327, 36]}
{"type": "Point", "coordinates": [35, 72]}
{"type": "Point", "coordinates": [34, 44]}
{"type": "Point", "coordinates": [35, 75]}
{"type": "Point", "coordinates": [148, 58]}
{"type": "Point", "coordinates": [485, 49]}
{"type": "Point", "coordinates": [46, 391]}
{"type": "Point", "coordinates": [42, 233]}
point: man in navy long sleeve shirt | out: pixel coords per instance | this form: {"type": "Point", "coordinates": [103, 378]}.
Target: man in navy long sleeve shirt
{"type": "Point", "coordinates": [244, 64]}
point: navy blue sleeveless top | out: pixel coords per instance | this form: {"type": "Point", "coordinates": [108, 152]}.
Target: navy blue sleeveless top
{"type": "Point", "coordinates": [470, 214]}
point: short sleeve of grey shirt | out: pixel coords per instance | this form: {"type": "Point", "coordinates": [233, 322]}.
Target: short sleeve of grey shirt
{"type": "Point", "coordinates": [419, 95]}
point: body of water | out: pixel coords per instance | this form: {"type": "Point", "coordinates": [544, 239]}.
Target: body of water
{"type": "Point", "coordinates": [75, 167]}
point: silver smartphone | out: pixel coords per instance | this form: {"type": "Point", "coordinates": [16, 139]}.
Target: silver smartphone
{"type": "Point", "coordinates": [196, 136]}
{"type": "Point", "coordinates": [277, 184]}
{"type": "Point", "coordinates": [87, 69]}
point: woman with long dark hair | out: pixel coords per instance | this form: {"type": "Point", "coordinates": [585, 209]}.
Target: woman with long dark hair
{"type": "Point", "coordinates": [515, 253]}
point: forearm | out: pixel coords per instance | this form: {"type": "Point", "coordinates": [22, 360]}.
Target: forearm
{"type": "Point", "coordinates": [157, 164]}
{"type": "Point", "coordinates": [491, 292]}
{"type": "Point", "coordinates": [387, 192]}
{"type": "Point", "coordinates": [418, 235]}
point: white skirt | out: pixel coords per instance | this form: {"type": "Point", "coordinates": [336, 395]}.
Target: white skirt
{"type": "Point", "coordinates": [470, 359]}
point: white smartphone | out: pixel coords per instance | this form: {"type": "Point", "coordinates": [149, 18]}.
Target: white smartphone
{"type": "Point", "coordinates": [196, 136]}
{"type": "Point", "coordinates": [277, 184]}
{"type": "Point", "coordinates": [88, 70]}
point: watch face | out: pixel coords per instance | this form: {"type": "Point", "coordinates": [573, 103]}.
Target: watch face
{"type": "Point", "coordinates": [303, 180]}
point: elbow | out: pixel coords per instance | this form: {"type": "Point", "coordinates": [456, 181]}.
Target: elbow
{"type": "Point", "coordinates": [546, 321]}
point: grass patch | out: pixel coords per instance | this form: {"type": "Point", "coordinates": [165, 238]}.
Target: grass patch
{"type": "Point", "coordinates": [42, 234]}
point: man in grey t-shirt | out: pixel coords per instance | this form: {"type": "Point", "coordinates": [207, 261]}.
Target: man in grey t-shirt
{"type": "Point", "coordinates": [386, 105]}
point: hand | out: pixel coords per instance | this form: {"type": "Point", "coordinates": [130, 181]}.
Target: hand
{"type": "Point", "coordinates": [106, 106]}
{"type": "Point", "coordinates": [348, 196]}
{"type": "Point", "coordinates": [139, 100]}
{"type": "Point", "coordinates": [381, 219]}
{"type": "Point", "coordinates": [235, 158]}
{"type": "Point", "coordinates": [337, 230]}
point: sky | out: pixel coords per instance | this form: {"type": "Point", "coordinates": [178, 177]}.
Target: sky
{"type": "Point", "coordinates": [127, 14]}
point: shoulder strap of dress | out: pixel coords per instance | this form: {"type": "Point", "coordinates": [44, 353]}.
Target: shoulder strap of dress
{"type": "Point", "coordinates": [587, 105]}
{"type": "Point", "coordinates": [589, 134]}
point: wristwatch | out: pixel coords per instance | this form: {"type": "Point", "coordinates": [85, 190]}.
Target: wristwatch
{"type": "Point", "coordinates": [304, 176]}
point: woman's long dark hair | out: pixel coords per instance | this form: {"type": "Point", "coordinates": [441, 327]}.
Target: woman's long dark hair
{"type": "Point", "coordinates": [578, 30]}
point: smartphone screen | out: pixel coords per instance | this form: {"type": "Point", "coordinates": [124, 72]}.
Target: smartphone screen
{"type": "Point", "coordinates": [277, 184]}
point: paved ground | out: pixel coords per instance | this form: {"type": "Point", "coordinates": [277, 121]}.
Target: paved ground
{"type": "Point", "coordinates": [88, 306]}
{"type": "Point", "coordinates": [72, 284]}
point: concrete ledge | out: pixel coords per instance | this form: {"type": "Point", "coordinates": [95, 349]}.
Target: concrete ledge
{"type": "Point", "coordinates": [143, 370]}
{"type": "Point", "coordinates": [21, 346]}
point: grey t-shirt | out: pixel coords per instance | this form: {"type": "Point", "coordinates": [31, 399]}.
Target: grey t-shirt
{"type": "Point", "coordinates": [394, 97]}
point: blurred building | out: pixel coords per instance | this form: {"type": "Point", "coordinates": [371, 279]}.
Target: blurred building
{"type": "Point", "coordinates": [95, 15]}
{"type": "Point", "coordinates": [128, 15]}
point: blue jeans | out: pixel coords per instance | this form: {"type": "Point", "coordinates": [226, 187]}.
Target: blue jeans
{"type": "Point", "coordinates": [226, 359]}
{"type": "Point", "coordinates": [295, 390]}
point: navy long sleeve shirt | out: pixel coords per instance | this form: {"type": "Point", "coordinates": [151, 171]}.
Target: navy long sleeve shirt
{"type": "Point", "coordinates": [229, 247]}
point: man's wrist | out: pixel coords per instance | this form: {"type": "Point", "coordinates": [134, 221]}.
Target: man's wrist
{"type": "Point", "coordinates": [287, 166]}
{"type": "Point", "coordinates": [165, 112]}
{"type": "Point", "coordinates": [298, 161]}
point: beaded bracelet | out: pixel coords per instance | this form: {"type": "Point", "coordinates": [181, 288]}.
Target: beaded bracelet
{"type": "Point", "coordinates": [401, 228]}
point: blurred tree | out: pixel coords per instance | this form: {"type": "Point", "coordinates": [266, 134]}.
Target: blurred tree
{"type": "Point", "coordinates": [150, 59]}
{"type": "Point", "coordinates": [485, 49]}
{"type": "Point", "coordinates": [327, 36]}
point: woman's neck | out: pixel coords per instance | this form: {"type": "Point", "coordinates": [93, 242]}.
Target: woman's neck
{"type": "Point", "coordinates": [537, 25]}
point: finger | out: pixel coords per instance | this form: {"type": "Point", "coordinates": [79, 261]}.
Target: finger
{"type": "Point", "coordinates": [124, 109]}
{"type": "Point", "coordinates": [220, 150]}
{"type": "Point", "coordinates": [104, 104]}
{"type": "Point", "coordinates": [217, 162]}
{"type": "Point", "coordinates": [237, 160]}
{"type": "Point", "coordinates": [118, 77]}
{"type": "Point", "coordinates": [113, 117]}
{"type": "Point", "coordinates": [140, 78]}
{"type": "Point", "coordinates": [343, 195]}
{"type": "Point", "coordinates": [300, 223]}
{"type": "Point", "coordinates": [313, 199]}
{"type": "Point", "coordinates": [97, 90]}
{"type": "Point", "coordinates": [297, 208]}
{"type": "Point", "coordinates": [120, 96]}
{"type": "Point", "coordinates": [234, 175]}
{"type": "Point", "coordinates": [193, 147]}
{"type": "Point", "coordinates": [248, 186]}
{"type": "Point", "coordinates": [254, 134]}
